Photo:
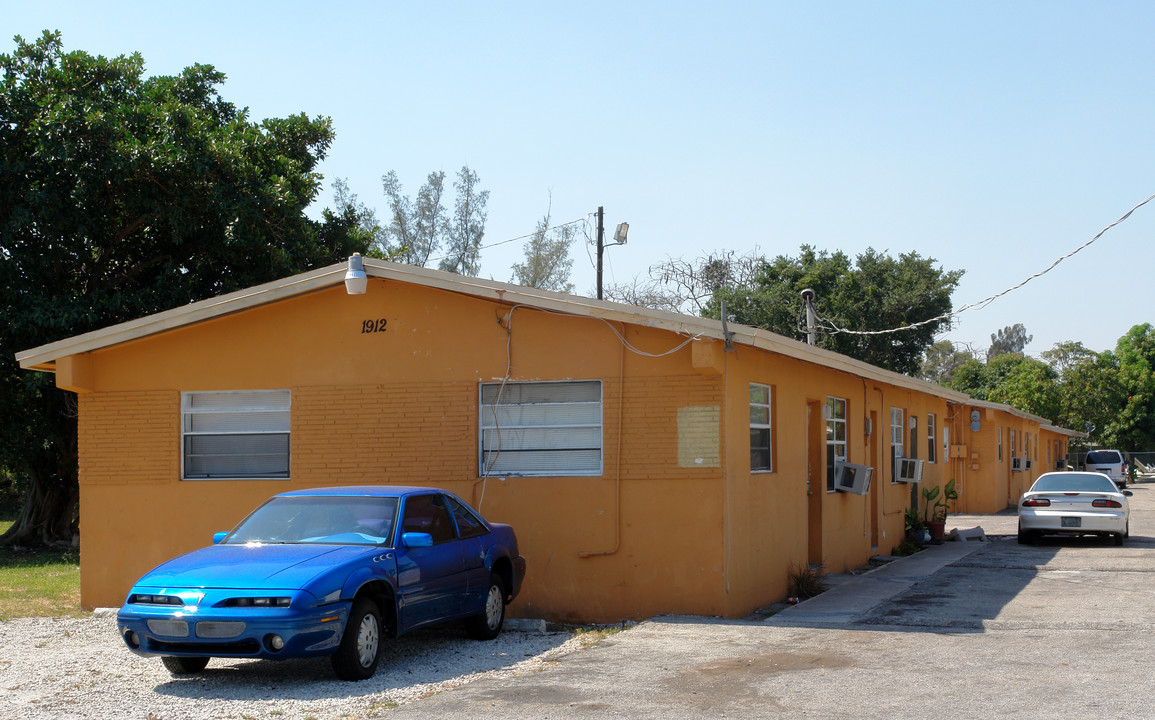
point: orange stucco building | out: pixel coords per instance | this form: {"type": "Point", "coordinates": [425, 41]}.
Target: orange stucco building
{"type": "Point", "coordinates": [650, 462]}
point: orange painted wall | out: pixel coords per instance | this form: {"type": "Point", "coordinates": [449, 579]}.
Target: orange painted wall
{"type": "Point", "coordinates": [401, 407]}
{"type": "Point", "coordinates": [661, 530]}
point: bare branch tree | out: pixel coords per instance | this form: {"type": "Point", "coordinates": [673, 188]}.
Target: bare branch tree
{"type": "Point", "coordinates": [689, 285]}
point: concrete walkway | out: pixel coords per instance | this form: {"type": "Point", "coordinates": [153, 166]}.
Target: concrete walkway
{"type": "Point", "coordinates": [851, 596]}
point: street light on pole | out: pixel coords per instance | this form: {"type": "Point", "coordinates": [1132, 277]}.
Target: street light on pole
{"type": "Point", "coordinates": [619, 239]}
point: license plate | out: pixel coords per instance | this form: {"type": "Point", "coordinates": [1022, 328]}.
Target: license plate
{"type": "Point", "coordinates": [1073, 522]}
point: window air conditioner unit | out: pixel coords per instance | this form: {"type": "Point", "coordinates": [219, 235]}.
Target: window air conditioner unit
{"type": "Point", "coordinates": [852, 478]}
{"type": "Point", "coordinates": [909, 470]}
{"type": "Point", "coordinates": [1016, 464]}
{"type": "Point", "coordinates": [1030, 464]}
{"type": "Point", "coordinates": [1060, 464]}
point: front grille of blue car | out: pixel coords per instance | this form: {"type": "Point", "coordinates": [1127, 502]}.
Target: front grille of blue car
{"type": "Point", "coordinates": [219, 630]}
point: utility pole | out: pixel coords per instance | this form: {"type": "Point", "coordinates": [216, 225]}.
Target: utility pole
{"type": "Point", "coordinates": [811, 318]}
{"type": "Point", "coordinates": [601, 245]}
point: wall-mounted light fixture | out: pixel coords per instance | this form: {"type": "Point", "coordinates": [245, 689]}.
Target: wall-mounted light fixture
{"type": "Point", "coordinates": [620, 233]}
{"type": "Point", "coordinates": [356, 281]}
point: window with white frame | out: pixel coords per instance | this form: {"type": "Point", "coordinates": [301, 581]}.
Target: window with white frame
{"type": "Point", "coordinates": [1000, 444]}
{"type": "Point", "coordinates": [897, 433]}
{"type": "Point", "coordinates": [761, 430]}
{"type": "Point", "coordinates": [542, 429]}
{"type": "Point", "coordinates": [235, 435]}
{"type": "Point", "coordinates": [1012, 445]}
{"type": "Point", "coordinates": [835, 412]}
{"type": "Point", "coordinates": [946, 443]}
{"type": "Point", "coordinates": [931, 439]}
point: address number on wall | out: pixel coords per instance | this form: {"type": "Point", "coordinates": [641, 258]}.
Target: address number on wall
{"type": "Point", "coordinates": [373, 326]}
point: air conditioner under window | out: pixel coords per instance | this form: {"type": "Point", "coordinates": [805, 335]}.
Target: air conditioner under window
{"type": "Point", "coordinates": [1060, 464]}
{"type": "Point", "coordinates": [1030, 464]}
{"type": "Point", "coordinates": [1016, 464]}
{"type": "Point", "coordinates": [852, 478]}
{"type": "Point", "coordinates": [909, 470]}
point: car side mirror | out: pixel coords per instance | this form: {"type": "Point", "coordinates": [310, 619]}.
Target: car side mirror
{"type": "Point", "coordinates": [416, 540]}
{"type": "Point", "coordinates": [219, 536]}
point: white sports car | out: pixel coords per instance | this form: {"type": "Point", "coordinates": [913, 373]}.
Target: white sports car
{"type": "Point", "coordinates": [1074, 503]}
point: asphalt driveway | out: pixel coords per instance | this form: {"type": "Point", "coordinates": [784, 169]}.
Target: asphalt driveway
{"type": "Point", "coordinates": [958, 631]}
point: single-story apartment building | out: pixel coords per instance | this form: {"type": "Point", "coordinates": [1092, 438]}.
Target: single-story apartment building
{"type": "Point", "coordinates": [650, 462]}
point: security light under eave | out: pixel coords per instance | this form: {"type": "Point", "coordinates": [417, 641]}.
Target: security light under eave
{"type": "Point", "coordinates": [356, 281]}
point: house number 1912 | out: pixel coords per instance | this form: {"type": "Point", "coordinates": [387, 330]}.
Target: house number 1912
{"type": "Point", "coordinates": [373, 326]}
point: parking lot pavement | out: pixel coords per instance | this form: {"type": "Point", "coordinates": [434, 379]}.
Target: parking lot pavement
{"type": "Point", "coordinates": [965, 634]}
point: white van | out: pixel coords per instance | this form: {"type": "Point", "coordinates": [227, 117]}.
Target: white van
{"type": "Point", "coordinates": [1109, 462]}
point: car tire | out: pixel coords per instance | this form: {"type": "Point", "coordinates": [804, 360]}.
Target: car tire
{"type": "Point", "coordinates": [1026, 538]}
{"type": "Point", "coordinates": [1118, 539]}
{"type": "Point", "coordinates": [184, 665]}
{"type": "Point", "coordinates": [360, 649]}
{"type": "Point", "coordinates": [486, 625]}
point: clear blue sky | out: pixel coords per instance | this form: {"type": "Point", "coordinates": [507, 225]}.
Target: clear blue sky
{"type": "Point", "coordinates": [991, 136]}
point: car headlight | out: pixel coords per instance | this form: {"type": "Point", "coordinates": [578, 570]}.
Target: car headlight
{"type": "Point", "coordinates": [261, 602]}
{"type": "Point", "coordinates": [145, 599]}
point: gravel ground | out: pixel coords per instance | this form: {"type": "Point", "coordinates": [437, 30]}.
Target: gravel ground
{"type": "Point", "coordinates": [67, 668]}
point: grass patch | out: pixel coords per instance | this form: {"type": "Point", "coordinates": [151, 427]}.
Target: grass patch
{"type": "Point", "coordinates": [590, 636]}
{"type": "Point", "coordinates": [805, 581]}
{"type": "Point", "coordinates": [906, 548]}
{"type": "Point", "coordinates": [39, 582]}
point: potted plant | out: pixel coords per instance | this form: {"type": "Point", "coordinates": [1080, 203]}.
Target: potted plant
{"type": "Point", "coordinates": [935, 515]}
{"type": "Point", "coordinates": [914, 526]}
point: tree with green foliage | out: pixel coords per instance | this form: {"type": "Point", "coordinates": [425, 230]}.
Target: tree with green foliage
{"type": "Point", "coordinates": [1133, 426]}
{"type": "Point", "coordinates": [417, 229]}
{"type": "Point", "coordinates": [875, 292]}
{"type": "Point", "coordinates": [1090, 391]}
{"type": "Point", "coordinates": [467, 228]}
{"type": "Point", "coordinates": [941, 360]}
{"type": "Point", "coordinates": [123, 195]}
{"type": "Point", "coordinates": [1011, 339]}
{"type": "Point", "coordinates": [547, 262]}
{"type": "Point", "coordinates": [1016, 380]}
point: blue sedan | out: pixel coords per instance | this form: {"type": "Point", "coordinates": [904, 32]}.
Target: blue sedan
{"type": "Point", "coordinates": [329, 571]}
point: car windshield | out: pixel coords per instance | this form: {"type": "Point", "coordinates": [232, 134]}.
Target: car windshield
{"type": "Point", "coordinates": [1103, 457]}
{"type": "Point", "coordinates": [330, 520]}
{"type": "Point", "coordinates": [1073, 482]}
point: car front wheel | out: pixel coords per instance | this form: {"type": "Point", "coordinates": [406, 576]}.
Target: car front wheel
{"type": "Point", "coordinates": [487, 624]}
{"type": "Point", "coordinates": [184, 665]}
{"type": "Point", "coordinates": [360, 650]}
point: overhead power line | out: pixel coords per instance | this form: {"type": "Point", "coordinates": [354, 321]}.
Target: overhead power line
{"type": "Point", "coordinates": [834, 329]}
{"type": "Point", "coordinates": [519, 237]}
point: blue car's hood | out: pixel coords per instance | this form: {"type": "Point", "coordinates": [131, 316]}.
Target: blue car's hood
{"type": "Point", "coordinates": [256, 567]}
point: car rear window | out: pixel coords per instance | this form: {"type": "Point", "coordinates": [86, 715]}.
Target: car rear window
{"type": "Point", "coordinates": [1073, 482]}
{"type": "Point", "coordinates": [1104, 457]}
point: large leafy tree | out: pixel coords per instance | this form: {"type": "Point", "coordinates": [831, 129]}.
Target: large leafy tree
{"type": "Point", "coordinates": [854, 301]}
{"type": "Point", "coordinates": [1090, 391]}
{"type": "Point", "coordinates": [123, 195]}
{"type": "Point", "coordinates": [1134, 424]}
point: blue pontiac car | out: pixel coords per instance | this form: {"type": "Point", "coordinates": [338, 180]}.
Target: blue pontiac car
{"type": "Point", "coordinates": [329, 571]}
